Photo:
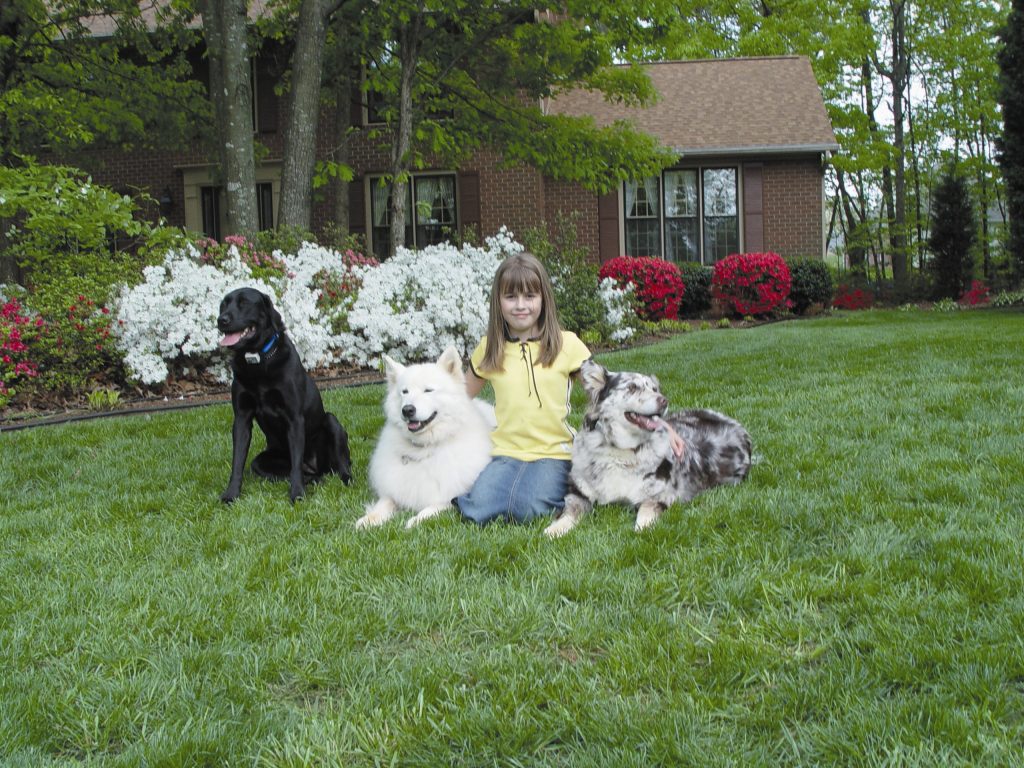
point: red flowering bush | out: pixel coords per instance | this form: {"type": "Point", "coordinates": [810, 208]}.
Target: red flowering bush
{"type": "Point", "coordinates": [656, 283]}
{"type": "Point", "coordinates": [16, 331]}
{"type": "Point", "coordinates": [848, 297]}
{"type": "Point", "coordinates": [976, 295]}
{"type": "Point", "coordinates": [752, 283]}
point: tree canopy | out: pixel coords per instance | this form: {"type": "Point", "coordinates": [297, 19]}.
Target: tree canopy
{"type": "Point", "coordinates": [79, 72]}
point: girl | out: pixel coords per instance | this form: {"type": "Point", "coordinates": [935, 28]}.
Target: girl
{"type": "Point", "coordinates": [529, 361]}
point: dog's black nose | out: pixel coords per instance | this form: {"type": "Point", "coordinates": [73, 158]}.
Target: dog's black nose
{"type": "Point", "coordinates": [408, 411]}
{"type": "Point", "coordinates": [223, 320]}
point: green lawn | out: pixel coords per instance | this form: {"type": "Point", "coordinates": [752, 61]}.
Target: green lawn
{"type": "Point", "coordinates": [859, 601]}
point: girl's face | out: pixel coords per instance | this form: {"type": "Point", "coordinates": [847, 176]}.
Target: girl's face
{"type": "Point", "coordinates": [521, 312]}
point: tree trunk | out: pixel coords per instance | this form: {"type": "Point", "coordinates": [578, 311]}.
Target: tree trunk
{"type": "Point", "coordinates": [900, 69]}
{"type": "Point", "coordinates": [296, 205]}
{"type": "Point", "coordinates": [225, 29]}
{"type": "Point", "coordinates": [408, 40]}
{"type": "Point", "coordinates": [856, 253]}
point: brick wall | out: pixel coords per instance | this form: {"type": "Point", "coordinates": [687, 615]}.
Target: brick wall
{"type": "Point", "coordinates": [793, 207]}
{"type": "Point", "coordinates": [567, 199]}
{"type": "Point", "coordinates": [518, 197]}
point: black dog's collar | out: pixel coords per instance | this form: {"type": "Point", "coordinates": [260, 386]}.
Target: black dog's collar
{"type": "Point", "coordinates": [255, 358]}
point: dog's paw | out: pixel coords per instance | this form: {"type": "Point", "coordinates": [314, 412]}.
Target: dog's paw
{"type": "Point", "coordinates": [370, 521]}
{"type": "Point", "coordinates": [423, 516]}
{"type": "Point", "coordinates": [229, 496]}
{"type": "Point", "coordinates": [560, 527]}
{"type": "Point", "coordinates": [645, 519]}
{"type": "Point", "coordinates": [382, 511]}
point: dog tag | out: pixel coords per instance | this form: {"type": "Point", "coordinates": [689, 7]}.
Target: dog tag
{"type": "Point", "coordinates": [253, 358]}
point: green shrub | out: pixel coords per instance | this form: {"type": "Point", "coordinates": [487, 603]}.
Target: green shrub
{"type": "Point", "coordinates": [811, 283]}
{"type": "Point", "coordinates": [574, 278]}
{"type": "Point", "coordinates": [69, 235]}
{"type": "Point", "coordinates": [74, 347]}
{"type": "Point", "coordinates": [286, 239]}
{"type": "Point", "coordinates": [697, 296]}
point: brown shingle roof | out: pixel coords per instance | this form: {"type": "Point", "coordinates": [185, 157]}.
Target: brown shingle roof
{"type": "Point", "coordinates": [755, 105]}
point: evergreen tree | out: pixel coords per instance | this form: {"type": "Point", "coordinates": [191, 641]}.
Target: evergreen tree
{"type": "Point", "coordinates": [952, 236]}
{"type": "Point", "coordinates": [1011, 155]}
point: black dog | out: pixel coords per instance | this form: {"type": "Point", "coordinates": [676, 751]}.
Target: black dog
{"type": "Point", "coordinates": [304, 442]}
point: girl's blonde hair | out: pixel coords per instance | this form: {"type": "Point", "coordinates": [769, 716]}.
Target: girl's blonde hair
{"type": "Point", "coordinates": [522, 273]}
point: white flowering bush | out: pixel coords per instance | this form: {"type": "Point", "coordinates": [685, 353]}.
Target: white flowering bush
{"type": "Point", "coordinates": [417, 303]}
{"type": "Point", "coordinates": [620, 314]}
{"type": "Point", "coordinates": [170, 318]}
{"type": "Point", "coordinates": [338, 308]}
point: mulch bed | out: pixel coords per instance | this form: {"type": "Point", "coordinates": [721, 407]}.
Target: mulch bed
{"type": "Point", "coordinates": [172, 396]}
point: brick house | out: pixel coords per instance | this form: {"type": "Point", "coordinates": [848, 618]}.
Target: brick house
{"type": "Point", "coordinates": [752, 137]}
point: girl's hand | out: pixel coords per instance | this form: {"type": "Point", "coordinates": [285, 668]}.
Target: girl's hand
{"type": "Point", "coordinates": [678, 446]}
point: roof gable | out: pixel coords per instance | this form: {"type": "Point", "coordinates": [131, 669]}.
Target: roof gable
{"type": "Point", "coordinates": [762, 105]}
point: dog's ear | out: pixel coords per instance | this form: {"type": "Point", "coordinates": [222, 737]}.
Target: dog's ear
{"type": "Point", "coordinates": [392, 368]}
{"type": "Point", "coordinates": [452, 364]}
{"type": "Point", "coordinates": [593, 376]}
{"type": "Point", "coordinates": [276, 321]}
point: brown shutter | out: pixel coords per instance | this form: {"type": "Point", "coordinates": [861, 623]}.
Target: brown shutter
{"type": "Point", "coordinates": [267, 102]}
{"type": "Point", "coordinates": [469, 203]}
{"type": "Point", "coordinates": [357, 207]}
{"type": "Point", "coordinates": [753, 208]}
{"type": "Point", "coordinates": [356, 99]}
{"type": "Point", "coordinates": [608, 225]}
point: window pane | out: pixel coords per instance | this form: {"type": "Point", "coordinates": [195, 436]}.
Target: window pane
{"type": "Point", "coordinates": [682, 240]}
{"type": "Point", "coordinates": [720, 192]}
{"type": "Point", "coordinates": [435, 209]}
{"type": "Point", "coordinates": [210, 203]}
{"type": "Point", "coordinates": [721, 237]}
{"type": "Point", "coordinates": [643, 237]}
{"type": "Point", "coordinates": [265, 205]}
{"type": "Point", "coordinates": [680, 193]}
{"type": "Point", "coordinates": [721, 214]}
{"type": "Point", "coordinates": [642, 199]}
{"type": "Point", "coordinates": [380, 216]}
{"type": "Point", "coordinates": [643, 221]}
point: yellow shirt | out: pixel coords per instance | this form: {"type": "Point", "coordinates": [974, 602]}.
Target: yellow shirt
{"type": "Point", "coordinates": [532, 401]}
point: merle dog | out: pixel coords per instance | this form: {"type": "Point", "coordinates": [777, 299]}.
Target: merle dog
{"type": "Point", "coordinates": [623, 452]}
{"type": "Point", "coordinates": [304, 442]}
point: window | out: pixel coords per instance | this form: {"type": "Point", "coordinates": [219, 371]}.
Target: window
{"type": "Point", "coordinates": [721, 214]}
{"type": "Point", "coordinates": [643, 225]}
{"type": "Point", "coordinates": [685, 214]}
{"type": "Point", "coordinates": [682, 222]}
{"type": "Point", "coordinates": [211, 205]}
{"type": "Point", "coordinates": [265, 205]}
{"type": "Point", "coordinates": [430, 212]}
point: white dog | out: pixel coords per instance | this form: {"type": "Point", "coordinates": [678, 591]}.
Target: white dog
{"type": "Point", "coordinates": [435, 442]}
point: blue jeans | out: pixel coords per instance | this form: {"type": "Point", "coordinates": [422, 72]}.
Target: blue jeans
{"type": "Point", "coordinates": [517, 490]}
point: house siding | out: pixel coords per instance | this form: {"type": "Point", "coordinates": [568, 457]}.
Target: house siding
{"type": "Point", "coordinates": [787, 189]}
{"type": "Point", "coordinates": [565, 200]}
{"type": "Point", "coordinates": [792, 199]}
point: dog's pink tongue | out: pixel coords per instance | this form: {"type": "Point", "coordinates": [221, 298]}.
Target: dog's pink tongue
{"type": "Point", "coordinates": [413, 425]}
{"type": "Point", "coordinates": [647, 422]}
{"type": "Point", "coordinates": [230, 339]}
